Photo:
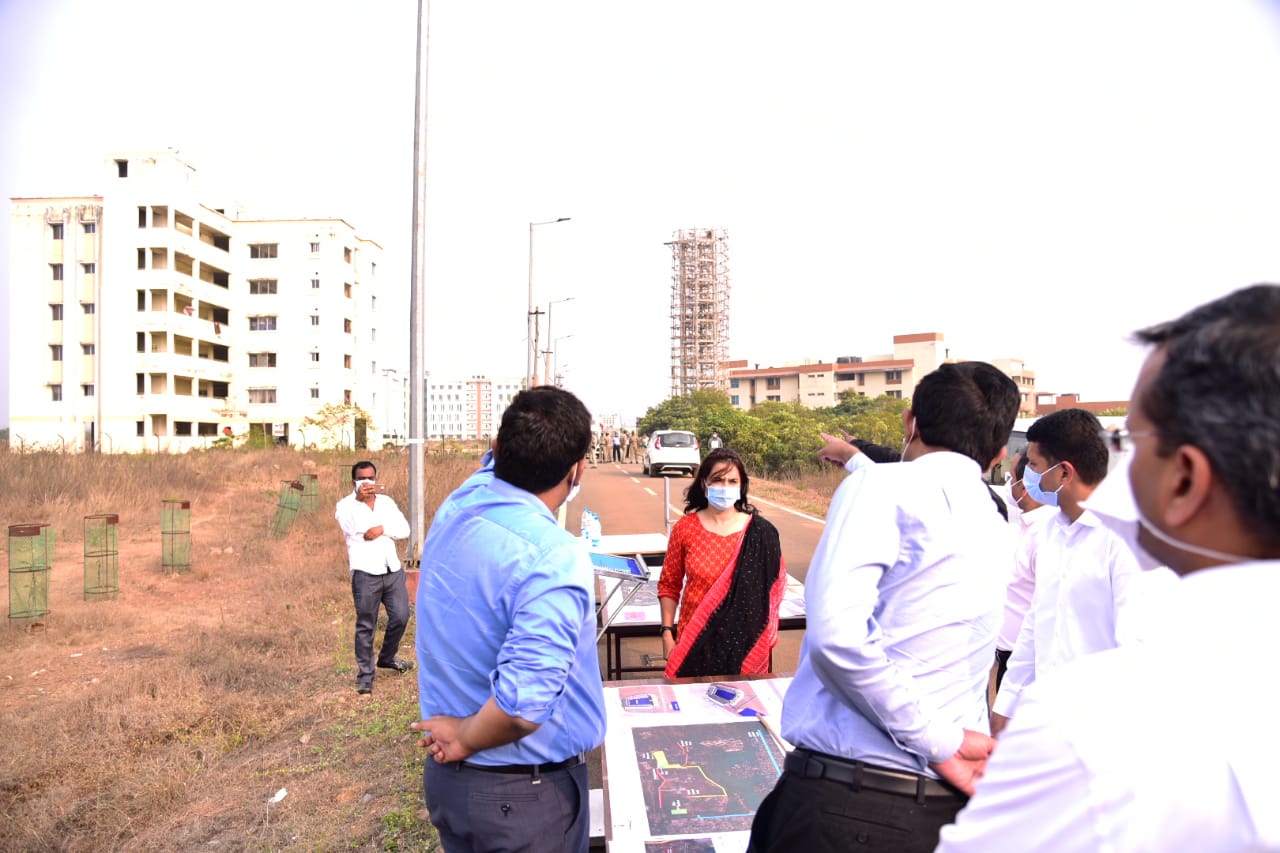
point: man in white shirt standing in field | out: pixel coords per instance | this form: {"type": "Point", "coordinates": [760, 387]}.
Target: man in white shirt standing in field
{"type": "Point", "coordinates": [1083, 571]}
{"type": "Point", "coordinates": [1169, 744]}
{"type": "Point", "coordinates": [371, 522]}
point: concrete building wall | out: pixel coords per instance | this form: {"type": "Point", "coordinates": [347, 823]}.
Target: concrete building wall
{"type": "Point", "coordinates": [156, 299]}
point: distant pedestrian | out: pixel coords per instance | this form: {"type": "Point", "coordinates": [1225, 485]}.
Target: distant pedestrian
{"type": "Point", "coordinates": [715, 443]}
{"type": "Point", "coordinates": [371, 522]}
{"type": "Point", "coordinates": [626, 445]}
{"type": "Point", "coordinates": [617, 447]}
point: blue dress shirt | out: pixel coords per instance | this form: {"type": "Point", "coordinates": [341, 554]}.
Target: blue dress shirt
{"type": "Point", "coordinates": [505, 609]}
{"type": "Point", "coordinates": [904, 596]}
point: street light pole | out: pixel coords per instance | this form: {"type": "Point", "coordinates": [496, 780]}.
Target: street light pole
{"type": "Point", "coordinates": [531, 348]}
{"type": "Point", "coordinates": [555, 370]}
{"type": "Point", "coordinates": [546, 355]}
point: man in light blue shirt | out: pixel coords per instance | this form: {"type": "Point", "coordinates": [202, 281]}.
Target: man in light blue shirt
{"type": "Point", "coordinates": [509, 680]}
{"type": "Point", "coordinates": [905, 592]}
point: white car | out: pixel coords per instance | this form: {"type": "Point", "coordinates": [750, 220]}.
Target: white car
{"type": "Point", "coordinates": [671, 450]}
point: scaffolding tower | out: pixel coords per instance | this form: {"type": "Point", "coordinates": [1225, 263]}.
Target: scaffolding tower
{"type": "Point", "coordinates": [699, 309]}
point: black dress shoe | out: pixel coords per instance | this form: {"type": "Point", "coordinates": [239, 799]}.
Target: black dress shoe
{"type": "Point", "coordinates": [364, 689]}
{"type": "Point", "coordinates": [400, 666]}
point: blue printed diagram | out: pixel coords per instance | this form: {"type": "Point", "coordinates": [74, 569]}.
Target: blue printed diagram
{"type": "Point", "coordinates": [705, 778]}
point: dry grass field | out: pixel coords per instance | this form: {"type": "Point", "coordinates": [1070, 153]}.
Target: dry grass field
{"type": "Point", "coordinates": [168, 718]}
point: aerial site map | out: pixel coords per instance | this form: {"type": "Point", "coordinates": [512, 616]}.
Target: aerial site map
{"type": "Point", "coordinates": [705, 778]}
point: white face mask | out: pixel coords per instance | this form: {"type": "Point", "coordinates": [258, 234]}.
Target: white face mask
{"type": "Point", "coordinates": [360, 483]}
{"type": "Point", "coordinates": [573, 492]}
{"type": "Point", "coordinates": [1115, 506]}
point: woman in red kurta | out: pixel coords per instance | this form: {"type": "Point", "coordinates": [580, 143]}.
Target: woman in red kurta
{"type": "Point", "coordinates": [724, 569]}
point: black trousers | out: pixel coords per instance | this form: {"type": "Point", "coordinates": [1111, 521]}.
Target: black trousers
{"type": "Point", "coordinates": [371, 592]}
{"type": "Point", "coordinates": [824, 816]}
{"type": "Point", "coordinates": [475, 811]}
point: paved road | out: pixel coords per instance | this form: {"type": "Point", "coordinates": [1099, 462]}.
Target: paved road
{"type": "Point", "coordinates": [629, 502]}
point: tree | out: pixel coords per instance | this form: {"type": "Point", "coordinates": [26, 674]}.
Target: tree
{"type": "Point", "coordinates": [333, 425]}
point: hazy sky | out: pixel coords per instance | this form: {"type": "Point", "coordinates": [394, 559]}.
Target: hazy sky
{"type": "Point", "coordinates": [1033, 180]}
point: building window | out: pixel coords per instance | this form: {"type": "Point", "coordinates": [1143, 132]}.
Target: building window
{"type": "Point", "coordinates": [346, 289]}
{"type": "Point", "coordinates": [262, 323]}
{"type": "Point", "coordinates": [373, 335]}
{"type": "Point", "coordinates": [315, 357]}
{"type": "Point", "coordinates": [346, 325]}
{"type": "Point", "coordinates": [56, 229]}
{"type": "Point", "coordinates": [862, 379]}
{"type": "Point", "coordinates": [55, 393]}
{"type": "Point", "coordinates": [89, 307]}
{"type": "Point", "coordinates": [87, 389]}
{"type": "Point", "coordinates": [315, 248]}
{"type": "Point", "coordinates": [182, 428]}
{"type": "Point", "coordinates": [262, 250]}
{"type": "Point", "coordinates": [90, 227]}
{"type": "Point", "coordinates": [88, 349]}
{"type": "Point", "coordinates": [773, 382]}
{"type": "Point", "coordinates": [262, 395]}
{"type": "Point", "coordinates": [733, 400]}
{"type": "Point", "coordinates": [55, 313]}
{"type": "Point", "coordinates": [346, 397]}
{"type": "Point", "coordinates": [346, 362]}
{"type": "Point", "coordinates": [373, 303]}
{"type": "Point", "coordinates": [260, 286]}
{"type": "Point", "coordinates": [892, 377]}
{"type": "Point", "coordinates": [142, 341]}
{"type": "Point", "coordinates": [89, 269]}
{"type": "Point", "coordinates": [262, 359]}
{"type": "Point", "coordinates": [56, 270]}
{"type": "Point", "coordinates": [893, 395]}
{"type": "Point", "coordinates": [733, 383]}
{"type": "Point", "coordinates": [122, 171]}
{"type": "Point", "coordinates": [346, 254]}
{"type": "Point", "coordinates": [140, 383]}
{"type": "Point", "coordinates": [55, 350]}
{"type": "Point", "coordinates": [315, 393]}
{"type": "Point", "coordinates": [315, 284]}
{"type": "Point", "coordinates": [774, 398]}
{"type": "Point", "coordinates": [315, 319]}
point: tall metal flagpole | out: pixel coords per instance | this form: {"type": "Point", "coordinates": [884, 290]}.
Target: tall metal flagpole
{"type": "Point", "coordinates": [417, 299]}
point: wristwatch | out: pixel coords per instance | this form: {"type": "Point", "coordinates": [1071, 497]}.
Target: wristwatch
{"type": "Point", "coordinates": [665, 628]}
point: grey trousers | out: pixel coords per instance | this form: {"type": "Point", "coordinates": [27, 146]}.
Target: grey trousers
{"type": "Point", "coordinates": [477, 811]}
{"type": "Point", "coordinates": [371, 592]}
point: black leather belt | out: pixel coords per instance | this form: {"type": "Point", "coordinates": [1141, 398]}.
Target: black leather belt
{"type": "Point", "coordinates": [858, 775]}
{"type": "Point", "coordinates": [533, 770]}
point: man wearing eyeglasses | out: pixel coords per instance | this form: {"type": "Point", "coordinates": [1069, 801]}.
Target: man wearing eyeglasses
{"type": "Point", "coordinates": [1082, 570]}
{"type": "Point", "coordinates": [1133, 749]}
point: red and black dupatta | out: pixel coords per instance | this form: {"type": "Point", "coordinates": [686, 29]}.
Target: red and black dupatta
{"type": "Point", "coordinates": [735, 626]}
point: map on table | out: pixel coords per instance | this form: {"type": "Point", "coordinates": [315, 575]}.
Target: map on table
{"type": "Point", "coordinates": [705, 778]}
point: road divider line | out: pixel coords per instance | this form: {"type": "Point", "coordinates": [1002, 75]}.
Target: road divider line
{"type": "Point", "coordinates": [790, 510]}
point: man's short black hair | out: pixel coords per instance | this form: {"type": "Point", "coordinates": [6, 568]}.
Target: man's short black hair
{"type": "Point", "coordinates": [1219, 391]}
{"type": "Point", "coordinates": [1020, 467]}
{"type": "Point", "coordinates": [1075, 436]}
{"type": "Point", "coordinates": [365, 464]}
{"type": "Point", "coordinates": [967, 407]}
{"type": "Point", "coordinates": [544, 432]}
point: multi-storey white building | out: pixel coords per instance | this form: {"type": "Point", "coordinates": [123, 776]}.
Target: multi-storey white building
{"type": "Point", "coordinates": [143, 319]}
{"type": "Point", "coordinates": [467, 408]}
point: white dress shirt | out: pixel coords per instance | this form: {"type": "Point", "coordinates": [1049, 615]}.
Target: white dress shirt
{"type": "Point", "coordinates": [1163, 745]}
{"type": "Point", "coordinates": [1030, 528]}
{"type": "Point", "coordinates": [904, 595]}
{"type": "Point", "coordinates": [1082, 577]}
{"type": "Point", "coordinates": [374, 556]}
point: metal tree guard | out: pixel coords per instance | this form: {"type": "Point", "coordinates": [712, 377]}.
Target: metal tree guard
{"type": "Point", "coordinates": [310, 492]}
{"type": "Point", "coordinates": [101, 557]}
{"type": "Point", "coordinates": [287, 508]}
{"type": "Point", "coordinates": [175, 536]}
{"type": "Point", "coordinates": [30, 559]}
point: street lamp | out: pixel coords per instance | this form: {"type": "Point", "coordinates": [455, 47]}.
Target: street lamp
{"type": "Point", "coordinates": [532, 348]}
{"type": "Point", "coordinates": [546, 356]}
{"type": "Point", "coordinates": [555, 370]}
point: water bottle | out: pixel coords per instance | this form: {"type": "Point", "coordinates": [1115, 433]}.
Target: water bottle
{"type": "Point", "coordinates": [595, 530]}
{"type": "Point", "coordinates": [586, 527]}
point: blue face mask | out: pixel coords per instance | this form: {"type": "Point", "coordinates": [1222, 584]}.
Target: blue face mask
{"type": "Point", "coordinates": [1031, 482]}
{"type": "Point", "coordinates": [723, 497]}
